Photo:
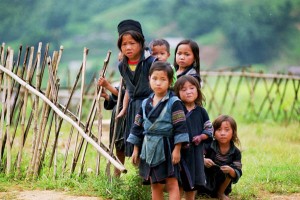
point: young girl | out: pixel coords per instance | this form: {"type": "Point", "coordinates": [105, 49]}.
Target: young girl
{"type": "Point", "coordinates": [200, 129]}
{"type": "Point", "coordinates": [134, 68]}
{"type": "Point", "coordinates": [187, 59]}
{"type": "Point", "coordinates": [223, 158]}
{"type": "Point", "coordinates": [158, 132]}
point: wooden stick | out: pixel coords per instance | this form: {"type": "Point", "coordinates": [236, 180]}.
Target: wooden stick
{"type": "Point", "coordinates": [24, 107]}
{"type": "Point", "coordinates": [85, 52]}
{"type": "Point", "coordinates": [112, 143]}
{"type": "Point", "coordinates": [92, 112]}
{"type": "Point", "coordinates": [9, 84]}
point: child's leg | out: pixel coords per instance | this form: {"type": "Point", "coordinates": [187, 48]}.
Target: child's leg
{"type": "Point", "coordinates": [222, 188]}
{"type": "Point", "coordinates": [157, 190]}
{"type": "Point", "coordinates": [173, 188]}
{"type": "Point", "coordinates": [121, 157]}
{"type": "Point", "coordinates": [190, 195]}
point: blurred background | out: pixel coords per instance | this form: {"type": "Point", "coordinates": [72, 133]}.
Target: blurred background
{"type": "Point", "coordinates": [263, 34]}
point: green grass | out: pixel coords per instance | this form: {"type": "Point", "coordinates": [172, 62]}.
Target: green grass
{"type": "Point", "coordinates": [270, 166]}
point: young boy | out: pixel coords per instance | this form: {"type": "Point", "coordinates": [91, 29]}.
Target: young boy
{"type": "Point", "coordinates": [160, 48]}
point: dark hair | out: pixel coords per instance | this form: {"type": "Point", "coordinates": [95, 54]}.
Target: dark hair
{"type": "Point", "coordinates": [160, 42]}
{"type": "Point", "coordinates": [200, 100]}
{"type": "Point", "coordinates": [162, 66]}
{"type": "Point", "coordinates": [196, 51]}
{"type": "Point", "coordinates": [226, 118]}
{"type": "Point", "coordinates": [138, 37]}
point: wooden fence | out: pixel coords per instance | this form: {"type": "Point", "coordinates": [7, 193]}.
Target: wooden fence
{"type": "Point", "coordinates": [252, 96]}
{"type": "Point", "coordinates": [40, 135]}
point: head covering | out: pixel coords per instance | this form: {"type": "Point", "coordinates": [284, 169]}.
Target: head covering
{"type": "Point", "coordinates": [130, 25]}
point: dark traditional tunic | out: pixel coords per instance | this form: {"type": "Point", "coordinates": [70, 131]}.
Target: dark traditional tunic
{"type": "Point", "coordinates": [198, 123]}
{"type": "Point", "coordinates": [156, 131]}
{"type": "Point", "coordinates": [190, 71]}
{"type": "Point", "coordinates": [214, 176]}
{"type": "Point", "coordinates": [111, 104]}
{"type": "Point", "coordinates": [137, 85]}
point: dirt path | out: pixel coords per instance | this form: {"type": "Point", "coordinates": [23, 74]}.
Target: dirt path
{"type": "Point", "coordinates": [42, 195]}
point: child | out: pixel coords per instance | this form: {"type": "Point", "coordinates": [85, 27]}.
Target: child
{"type": "Point", "coordinates": [187, 59]}
{"type": "Point", "coordinates": [158, 133]}
{"type": "Point", "coordinates": [160, 48]}
{"type": "Point", "coordinates": [134, 68]}
{"type": "Point", "coordinates": [110, 103]}
{"type": "Point", "coordinates": [223, 158]}
{"type": "Point", "coordinates": [200, 129]}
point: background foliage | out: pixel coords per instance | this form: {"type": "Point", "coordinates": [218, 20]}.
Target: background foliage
{"type": "Point", "coordinates": [239, 32]}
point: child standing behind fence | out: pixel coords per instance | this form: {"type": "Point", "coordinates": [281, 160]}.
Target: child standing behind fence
{"type": "Point", "coordinates": [200, 129]}
{"type": "Point", "coordinates": [159, 130]}
{"type": "Point", "coordinates": [223, 158]}
{"type": "Point", "coordinates": [187, 59]}
{"type": "Point", "coordinates": [134, 68]}
{"type": "Point", "coordinates": [160, 48]}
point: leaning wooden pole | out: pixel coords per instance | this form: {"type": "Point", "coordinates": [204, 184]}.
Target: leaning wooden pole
{"type": "Point", "coordinates": [67, 118]}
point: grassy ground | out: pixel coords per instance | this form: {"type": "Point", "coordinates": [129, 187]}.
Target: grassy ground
{"type": "Point", "coordinates": [270, 156]}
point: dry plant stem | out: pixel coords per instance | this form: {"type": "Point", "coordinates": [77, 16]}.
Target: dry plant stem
{"type": "Point", "coordinates": [9, 84]}
{"type": "Point", "coordinates": [65, 117]}
{"type": "Point", "coordinates": [85, 52]}
{"type": "Point", "coordinates": [111, 146]}
{"type": "Point", "coordinates": [24, 111]}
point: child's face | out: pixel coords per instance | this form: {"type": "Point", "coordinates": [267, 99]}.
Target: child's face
{"type": "Point", "coordinates": [188, 93]}
{"type": "Point", "coordinates": [159, 82]}
{"type": "Point", "coordinates": [160, 52]}
{"type": "Point", "coordinates": [224, 134]}
{"type": "Point", "coordinates": [184, 56]}
{"type": "Point", "coordinates": [131, 48]}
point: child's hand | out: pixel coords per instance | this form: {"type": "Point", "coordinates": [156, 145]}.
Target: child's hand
{"type": "Point", "coordinates": [226, 169]}
{"type": "Point", "coordinates": [103, 82]}
{"type": "Point", "coordinates": [208, 162]}
{"type": "Point", "coordinates": [197, 139]}
{"type": "Point", "coordinates": [122, 113]}
{"type": "Point", "coordinates": [175, 157]}
{"type": "Point", "coordinates": [135, 156]}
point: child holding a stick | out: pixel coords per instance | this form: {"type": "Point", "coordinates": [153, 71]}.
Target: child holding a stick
{"type": "Point", "coordinates": [158, 132]}
{"type": "Point", "coordinates": [200, 129]}
{"type": "Point", "coordinates": [134, 68]}
{"type": "Point", "coordinates": [222, 158]}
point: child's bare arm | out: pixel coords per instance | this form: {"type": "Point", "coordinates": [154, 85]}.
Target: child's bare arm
{"type": "Point", "coordinates": [125, 105]}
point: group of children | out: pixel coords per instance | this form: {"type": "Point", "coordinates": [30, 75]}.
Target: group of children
{"type": "Point", "coordinates": [163, 125]}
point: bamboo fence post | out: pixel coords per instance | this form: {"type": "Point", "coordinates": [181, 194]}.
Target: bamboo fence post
{"type": "Point", "coordinates": [52, 90]}
{"type": "Point", "coordinates": [71, 132]}
{"type": "Point", "coordinates": [8, 108]}
{"type": "Point", "coordinates": [112, 143]}
{"type": "Point", "coordinates": [106, 61]}
{"type": "Point", "coordinates": [24, 107]}
{"type": "Point", "coordinates": [99, 128]}
{"type": "Point", "coordinates": [85, 52]}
